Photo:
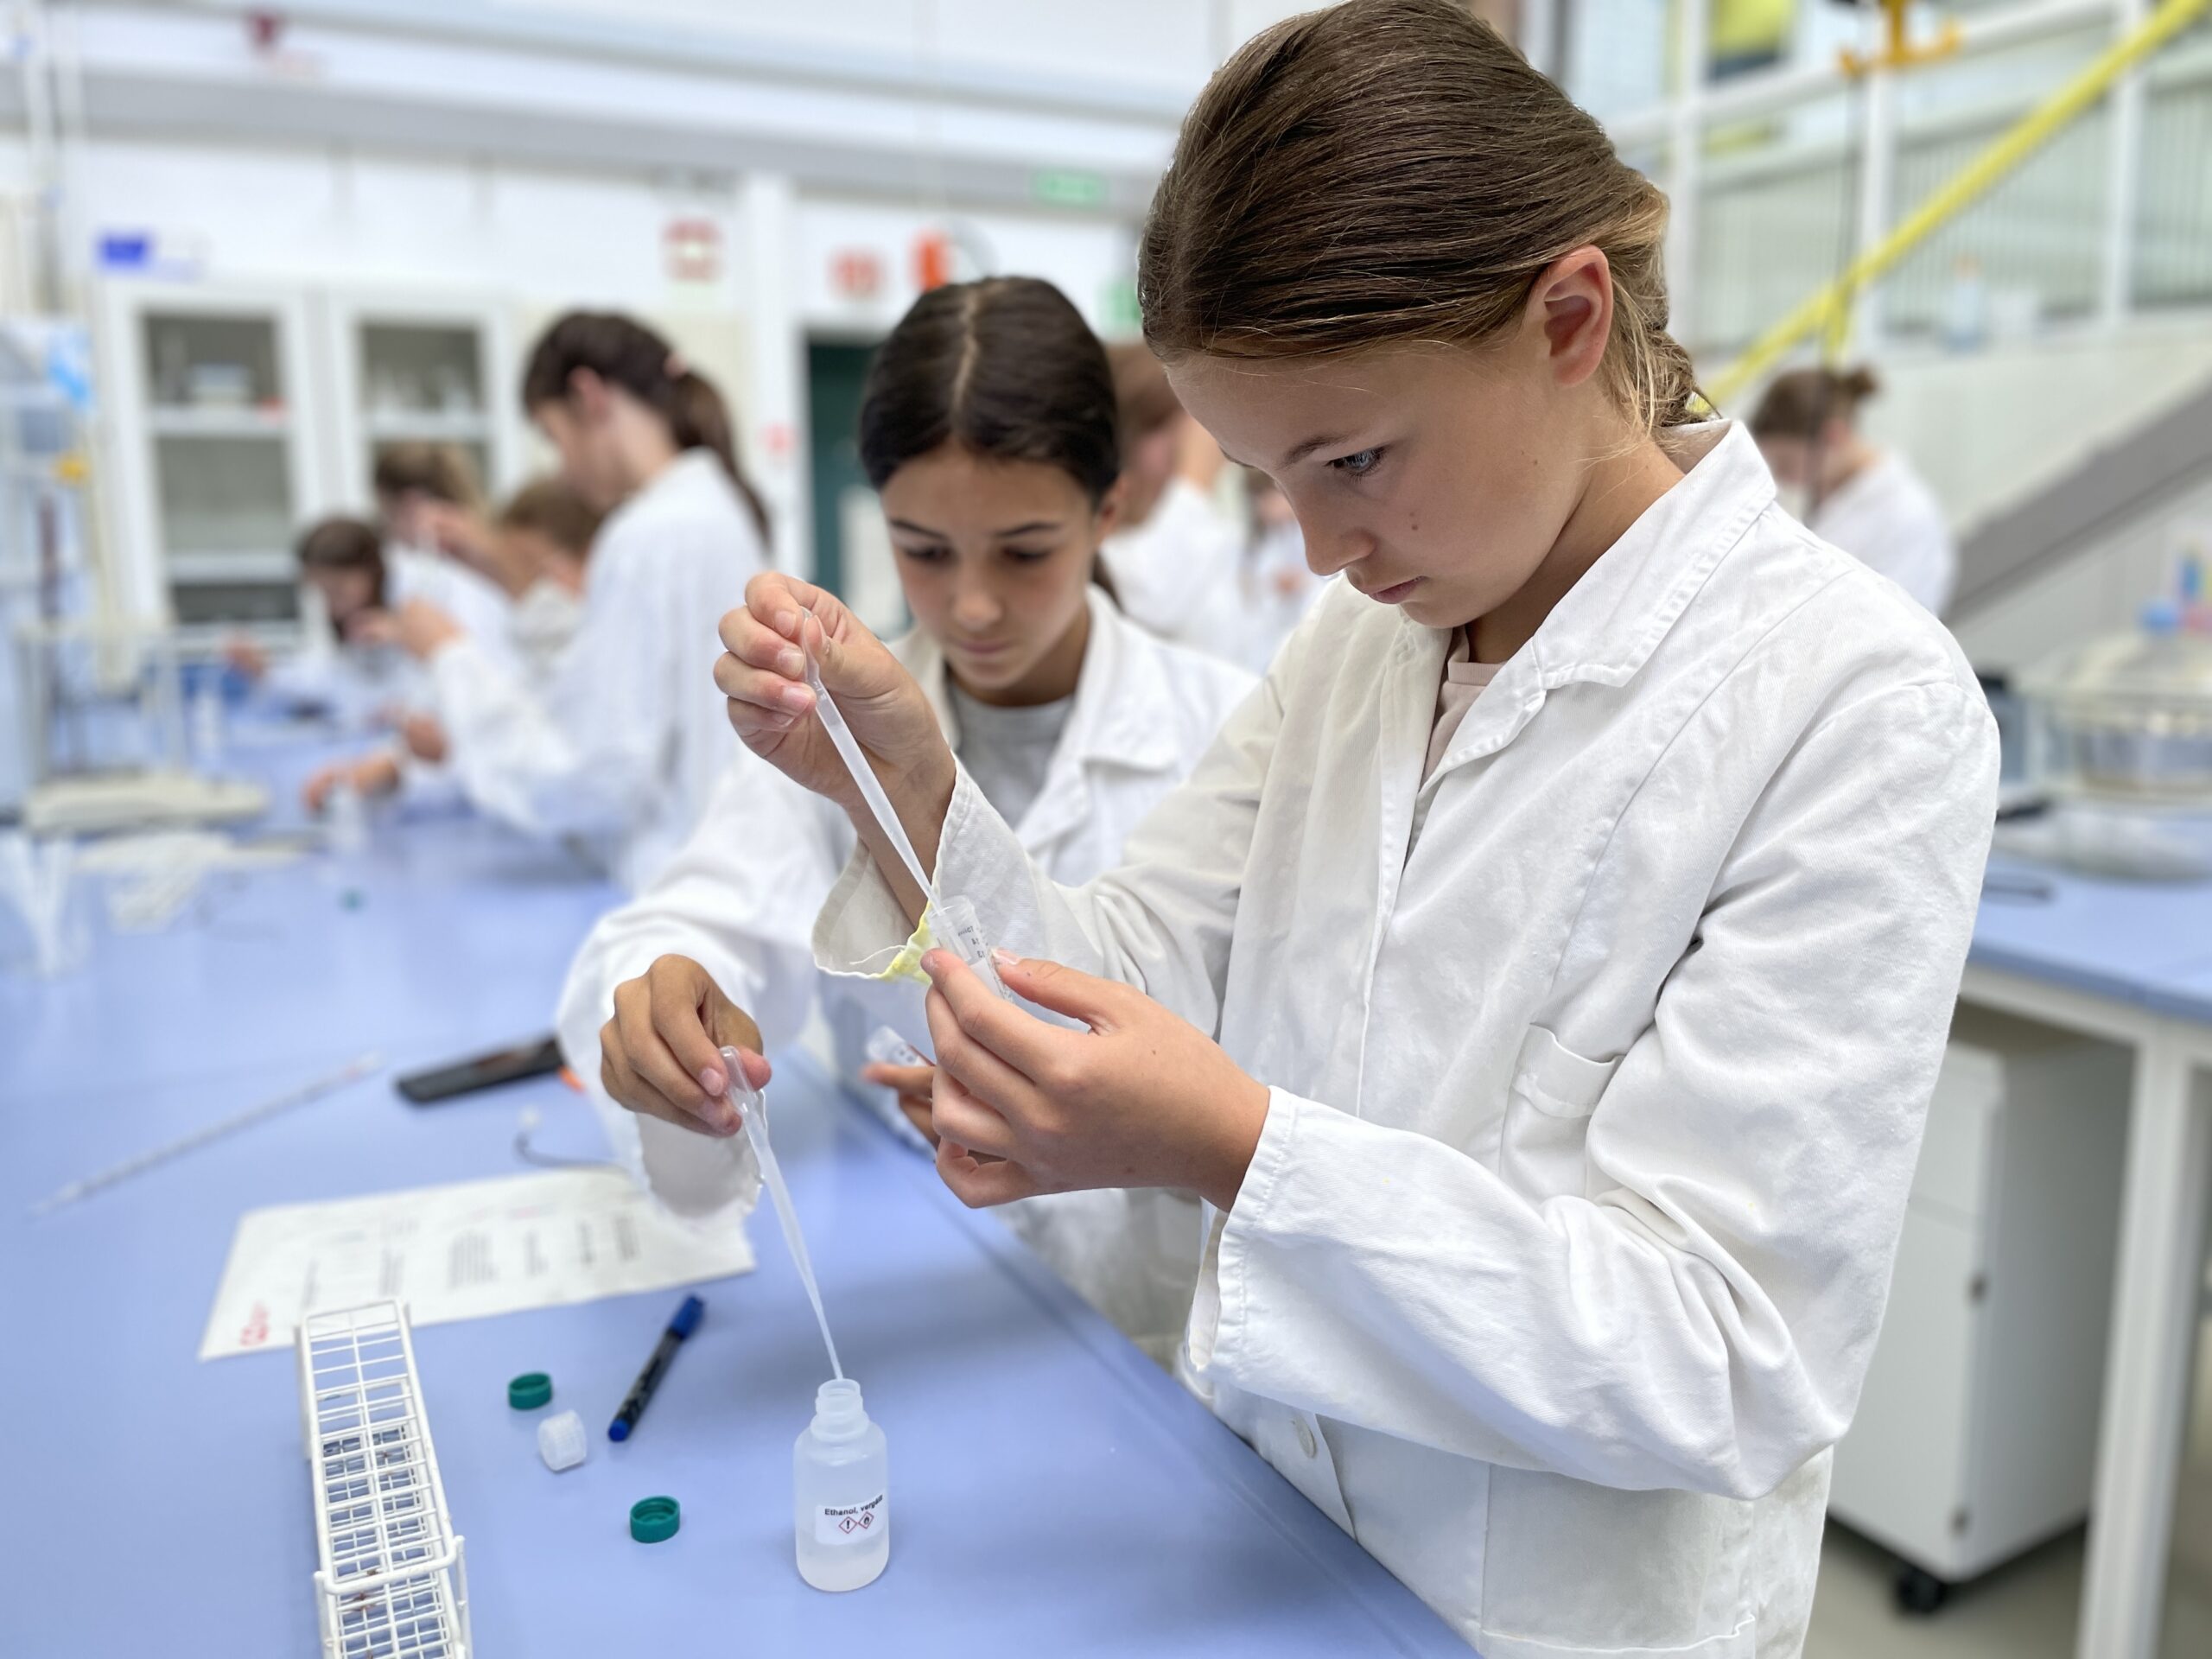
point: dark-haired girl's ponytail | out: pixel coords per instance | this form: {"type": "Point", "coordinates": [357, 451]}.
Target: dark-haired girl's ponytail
{"type": "Point", "coordinates": [699, 419]}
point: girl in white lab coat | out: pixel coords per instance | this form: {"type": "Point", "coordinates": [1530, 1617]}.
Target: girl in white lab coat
{"type": "Point", "coordinates": [1868, 501]}
{"type": "Point", "coordinates": [1543, 977]}
{"type": "Point", "coordinates": [534, 551]}
{"type": "Point", "coordinates": [618, 749]}
{"type": "Point", "coordinates": [987, 424]}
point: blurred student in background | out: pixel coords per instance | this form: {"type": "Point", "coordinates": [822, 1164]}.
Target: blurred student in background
{"type": "Point", "coordinates": [351, 588]}
{"type": "Point", "coordinates": [1173, 557]}
{"type": "Point", "coordinates": [535, 549]}
{"type": "Point", "coordinates": [618, 747]}
{"type": "Point", "coordinates": [987, 424]}
{"type": "Point", "coordinates": [1275, 587]}
{"type": "Point", "coordinates": [1868, 501]}
{"type": "Point", "coordinates": [418, 487]}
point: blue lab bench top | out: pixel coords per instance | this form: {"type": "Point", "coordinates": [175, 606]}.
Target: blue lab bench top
{"type": "Point", "coordinates": [1053, 1493]}
{"type": "Point", "coordinates": [2142, 943]}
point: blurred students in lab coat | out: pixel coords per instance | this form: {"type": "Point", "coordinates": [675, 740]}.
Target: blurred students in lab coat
{"type": "Point", "coordinates": [1173, 553]}
{"type": "Point", "coordinates": [1868, 501]}
{"type": "Point", "coordinates": [536, 548]}
{"type": "Point", "coordinates": [349, 664]}
{"type": "Point", "coordinates": [987, 425]}
{"type": "Point", "coordinates": [341, 665]}
{"type": "Point", "coordinates": [1543, 977]}
{"type": "Point", "coordinates": [617, 749]}
{"type": "Point", "coordinates": [417, 488]}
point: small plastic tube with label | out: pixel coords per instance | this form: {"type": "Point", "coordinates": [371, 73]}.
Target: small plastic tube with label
{"type": "Point", "coordinates": [841, 1492]}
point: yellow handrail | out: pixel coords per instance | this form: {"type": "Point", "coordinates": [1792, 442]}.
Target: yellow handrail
{"type": "Point", "coordinates": [2009, 150]}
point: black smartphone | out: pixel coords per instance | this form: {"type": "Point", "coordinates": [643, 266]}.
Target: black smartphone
{"type": "Point", "coordinates": [535, 1059]}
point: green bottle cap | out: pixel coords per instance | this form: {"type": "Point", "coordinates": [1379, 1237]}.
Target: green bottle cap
{"type": "Point", "coordinates": [654, 1519]}
{"type": "Point", "coordinates": [530, 1391]}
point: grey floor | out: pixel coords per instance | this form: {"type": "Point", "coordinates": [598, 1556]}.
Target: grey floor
{"type": "Point", "coordinates": [2027, 1609]}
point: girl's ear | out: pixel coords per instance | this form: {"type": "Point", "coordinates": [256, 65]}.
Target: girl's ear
{"type": "Point", "coordinates": [1571, 302]}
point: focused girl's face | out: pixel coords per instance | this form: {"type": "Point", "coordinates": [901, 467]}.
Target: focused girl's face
{"type": "Point", "coordinates": [1435, 478]}
{"type": "Point", "coordinates": [994, 556]}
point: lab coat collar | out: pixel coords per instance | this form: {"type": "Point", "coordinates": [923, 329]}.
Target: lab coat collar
{"type": "Point", "coordinates": [1124, 715]}
{"type": "Point", "coordinates": [1611, 622]}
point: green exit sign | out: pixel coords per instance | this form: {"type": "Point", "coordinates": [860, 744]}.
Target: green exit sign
{"type": "Point", "coordinates": [1068, 187]}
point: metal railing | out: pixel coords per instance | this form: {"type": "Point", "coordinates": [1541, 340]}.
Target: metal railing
{"type": "Point", "coordinates": [2038, 173]}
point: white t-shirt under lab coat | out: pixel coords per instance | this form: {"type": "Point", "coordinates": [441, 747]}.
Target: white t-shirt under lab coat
{"type": "Point", "coordinates": [620, 747]}
{"type": "Point", "coordinates": [1594, 1105]}
{"type": "Point", "coordinates": [740, 898]}
{"type": "Point", "coordinates": [1887, 519]}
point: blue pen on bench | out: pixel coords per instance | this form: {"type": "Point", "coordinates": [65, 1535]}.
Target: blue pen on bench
{"type": "Point", "coordinates": [685, 1322]}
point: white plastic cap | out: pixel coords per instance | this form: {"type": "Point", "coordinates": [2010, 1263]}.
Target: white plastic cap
{"type": "Point", "coordinates": [560, 1441]}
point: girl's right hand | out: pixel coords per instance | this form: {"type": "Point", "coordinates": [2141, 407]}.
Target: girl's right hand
{"type": "Point", "coordinates": [764, 677]}
{"type": "Point", "coordinates": [661, 1053]}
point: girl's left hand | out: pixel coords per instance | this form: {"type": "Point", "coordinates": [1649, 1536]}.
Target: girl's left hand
{"type": "Point", "coordinates": [1143, 1098]}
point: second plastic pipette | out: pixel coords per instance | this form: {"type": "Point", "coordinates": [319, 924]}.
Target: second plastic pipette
{"type": "Point", "coordinates": [752, 1109]}
{"type": "Point", "coordinates": [955, 919]}
{"type": "Point", "coordinates": [349, 1073]}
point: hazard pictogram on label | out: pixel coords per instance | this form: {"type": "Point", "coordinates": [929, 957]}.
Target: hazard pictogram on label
{"type": "Point", "coordinates": [851, 1523]}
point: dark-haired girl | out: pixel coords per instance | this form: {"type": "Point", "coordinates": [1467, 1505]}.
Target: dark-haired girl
{"type": "Point", "coordinates": [987, 424]}
{"type": "Point", "coordinates": [618, 750]}
{"type": "Point", "coordinates": [1543, 977]}
{"type": "Point", "coordinates": [1868, 500]}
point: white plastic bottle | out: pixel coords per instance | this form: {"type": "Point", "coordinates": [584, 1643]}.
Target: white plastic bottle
{"type": "Point", "coordinates": [840, 1484]}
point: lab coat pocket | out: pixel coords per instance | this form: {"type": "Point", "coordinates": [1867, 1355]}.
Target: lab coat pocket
{"type": "Point", "coordinates": [1548, 1117]}
{"type": "Point", "coordinates": [1570, 1568]}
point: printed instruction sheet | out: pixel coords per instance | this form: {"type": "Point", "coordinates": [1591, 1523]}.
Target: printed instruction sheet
{"type": "Point", "coordinates": [459, 1252]}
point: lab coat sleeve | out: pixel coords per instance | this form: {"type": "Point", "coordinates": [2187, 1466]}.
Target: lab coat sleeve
{"type": "Point", "coordinates": [1701, 1315]}
{"type": "Point", "coordinates": [582, 755]}
{"type": "Point", "coordinates": [1160, 921]}
{"type": "Point", "coordinates": [738, 898]}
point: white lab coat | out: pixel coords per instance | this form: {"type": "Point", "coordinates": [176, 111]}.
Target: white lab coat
{"type": "Point", "coordinates": [1885, 516]}
{"type": "Point", "coordinates": [740, 897]}
{"type": "Point", "coordinates": [1175, 571]}
{"type": "Point", "coordinates": [1556, 1270]}
{"type": "Point", "coordinates": [474, 601]}
{"type": "Point", "coordinates": [620, 749]}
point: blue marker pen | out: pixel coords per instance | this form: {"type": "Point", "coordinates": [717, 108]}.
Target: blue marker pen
{"type": "Point", "coordinates": [685, 1322]}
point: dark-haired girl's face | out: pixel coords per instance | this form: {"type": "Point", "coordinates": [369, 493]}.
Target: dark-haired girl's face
{"type": "Point", "coordinates": [996, 557]}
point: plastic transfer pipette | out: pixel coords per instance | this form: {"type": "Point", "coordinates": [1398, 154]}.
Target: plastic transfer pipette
{"type": "Point", "coordinates": [352, 1072]}
{"type": "Point", "coordinates": [753, 1108]}
{"type": "Point", "coordinates": [957, 924]}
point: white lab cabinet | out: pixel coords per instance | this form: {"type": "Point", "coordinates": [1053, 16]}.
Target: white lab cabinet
{"type": "Point", "coordinates": [1976, 1434]}
{"type": "Point", "coordinates": [419, 368]}
{"type": "Point", "coordinates": [209, 397]}
{"type": "Point", "coordinates": [238, 412]}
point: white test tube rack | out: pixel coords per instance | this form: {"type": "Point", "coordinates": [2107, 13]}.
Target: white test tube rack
{"type": "Point", "coordinates": [389, 1579]}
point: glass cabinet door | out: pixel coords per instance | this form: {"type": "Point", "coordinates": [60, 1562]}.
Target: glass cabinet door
{"type": "Point", "coordinates": [226, 503]}
{"type": "Point", "coordinates": [423, 382]}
